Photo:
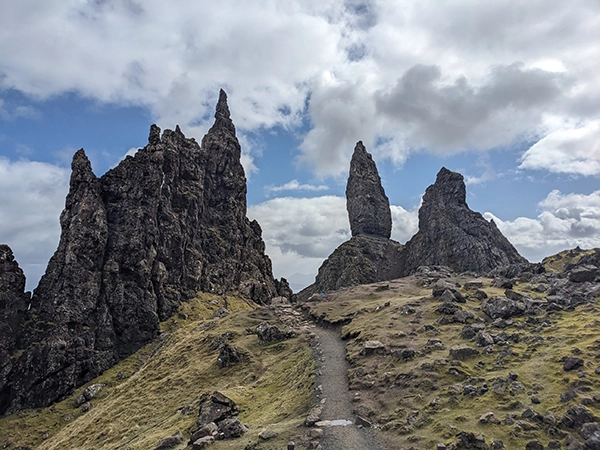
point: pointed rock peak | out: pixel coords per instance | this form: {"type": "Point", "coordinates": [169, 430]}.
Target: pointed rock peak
{"type": "Point", "coordinates": [222, 115]}
{"type": "Point", "coordinates": [81, 168]}
{"type": "Point", "coordinates": [368, 206]}
{"type": "Point", "coordinates": [154, 137]}
{"type": "Point", "coordinates": [360, 151]}
{"type": "Point", "coordinates": [222, 107]}
{"type": "Point", "coordinates": [449, 188]}
{"type": "Point", "coordinates": [178, 130]}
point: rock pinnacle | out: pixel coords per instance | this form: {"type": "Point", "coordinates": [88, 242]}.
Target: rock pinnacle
{"type": "Point", "coordinates": [368, 206]}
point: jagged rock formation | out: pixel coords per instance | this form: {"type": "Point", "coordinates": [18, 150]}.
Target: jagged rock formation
{"type": "Point", "coordinates": [361, 260]}
{"type": "Point", "coordinates": [13, 307]}
{"type": "Point", "coordinates": [452, 235]}
{"type": "Point", "coordinates": [149, 234]}
{"type": "Point", "coordinates": [370, 255]}
{"type": "Point", "coordinates": [368, 206]}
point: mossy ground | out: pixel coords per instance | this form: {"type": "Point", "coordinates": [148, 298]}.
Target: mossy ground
{"type": "Point", "coordinates": [557, 262]}
{"type": "Point", "coordinates": [155, 392]}
{"type": "Point", "coordinates": [421, 402]}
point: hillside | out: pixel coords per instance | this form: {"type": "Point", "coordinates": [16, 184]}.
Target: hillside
{"type": "Point", "coordinates": [411, 378]}
{"type": "Point", "coordinates": [527, 376]}
{"type": "Point", "coordinates": [155, 392]}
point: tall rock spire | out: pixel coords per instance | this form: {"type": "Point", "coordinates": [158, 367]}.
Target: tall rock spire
{"type": "Point", "coordinates": [368, 206]}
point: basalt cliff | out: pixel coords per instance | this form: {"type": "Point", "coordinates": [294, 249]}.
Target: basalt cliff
{"type": "Point", "coordinates": [148, 235]}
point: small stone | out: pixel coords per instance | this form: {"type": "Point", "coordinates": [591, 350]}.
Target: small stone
{"type": "Point", "coordinates": [534, 445]}
{"type": "Point", "coordinates": [314, 416]}
{"type": "Point", "coordinates": [267, 434]}
{"type": "Point", "coordinates": [170, 441]}
{"type": "Point", "coordinates": [203, 442]}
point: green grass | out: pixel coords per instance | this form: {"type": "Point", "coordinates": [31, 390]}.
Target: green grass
{"type": "Point", "coordinates": [390, 389]}
{"type": "Point", "coordinates": [155, 392]}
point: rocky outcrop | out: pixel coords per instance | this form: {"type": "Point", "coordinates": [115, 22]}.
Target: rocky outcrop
{"type": "Point", "coordinates": [370, 255]}
{"type": "Point", "coordinates": [368, 206]}
{"type": "Point", "coordinates": [452, 235]}
{"type": "Point", "coordinates": [361, 260]}
{"type": "Point", "coordinates": [149, 234]}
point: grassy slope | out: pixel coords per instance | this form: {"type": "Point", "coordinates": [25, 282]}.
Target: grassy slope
{"type": "Point", "coordinates": [391, 389]}
{"type": "Point", "coordinates": [154, 392]}
{"type": "Point", "coordinates": [556, 263]}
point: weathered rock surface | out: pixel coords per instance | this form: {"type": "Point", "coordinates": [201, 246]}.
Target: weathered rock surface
{"type": "Point", "coordinates": [368, 206]}
{"type": "Point", "coordinates": [361, 260]}
{"type": "Point", "coordinates": [452, 235]}
{"type": "Point", "coordinates": [13, 309]}
{"type": "Point", "coordinates": [149, 234]}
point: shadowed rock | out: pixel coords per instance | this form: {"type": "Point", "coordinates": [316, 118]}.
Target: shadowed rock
{"type": "Point", "coordinates": [368, 206]}
{"type": "Point", "coordinates": [164, 224]}
{"type": "Point", "coordinates": [452, 235]}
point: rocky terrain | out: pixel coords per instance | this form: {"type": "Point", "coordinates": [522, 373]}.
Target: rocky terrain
{"type": "Point", "coordinates": [442, 360]}
{"type": "Point", "coordinates": [150, 234]}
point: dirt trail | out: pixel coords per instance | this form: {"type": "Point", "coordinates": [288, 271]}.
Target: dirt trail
{"type": "Point", "coordinates": [333, 377]}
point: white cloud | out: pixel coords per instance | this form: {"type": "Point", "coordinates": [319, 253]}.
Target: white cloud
{"type": "Point", "coordinates": [294, 185]}
{"type": "Point", "coordinates": [401, 76]}
{"type": "Point", "coordinates": [565, 221]}
{"type": "Point", "coordinates": [571, 150]}
{"type": "Point", "coordinates": [29, 211]}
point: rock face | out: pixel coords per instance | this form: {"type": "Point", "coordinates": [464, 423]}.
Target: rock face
{"type": "Point", "coordinates": [452, 235]}
{"type": "Point", "coordinates": [368, 206]}
{"type": "Point", "coordinates": [13, 308]}
{"type": "Point", "coordinates": [361, 260]}
{"type": "Point", "coordinates": [370, 255]}
{"type": "Point", "coordinates": [149, 234]}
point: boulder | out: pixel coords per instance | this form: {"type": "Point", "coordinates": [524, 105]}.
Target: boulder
{"type": "Point", "coordinates": [209, 429]}
{"type": "Point", "coordinates": [583, 273]}
{"type": "Point", "coordinates": [203, 442]}
{"type": "Point", "coordinates": [268, 333]}
{"type": "Point", "coordinates": [231, 428]}
{"type": "Point", "coordinates": [577, 416]}
{"type": "Point", "coordinates": [228, 355]}
{"type": "Point", "coordinates": [502, 308]}
{"type": "Point", "coordinates": [572, 363]}
{"type": "Point", "coordinates": [462, 352]}
{"type": "Point", "coordinates": [215, 407]}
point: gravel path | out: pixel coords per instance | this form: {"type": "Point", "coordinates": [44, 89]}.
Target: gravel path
{"type": "Point", "coordinates": [333, 377]}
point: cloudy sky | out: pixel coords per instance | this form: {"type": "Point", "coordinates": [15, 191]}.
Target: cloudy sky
{"type": "Point", "coordinates": [505, 92]}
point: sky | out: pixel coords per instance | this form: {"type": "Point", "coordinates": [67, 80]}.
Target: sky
{"type": "Point", "coordinates": [505, 92]}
